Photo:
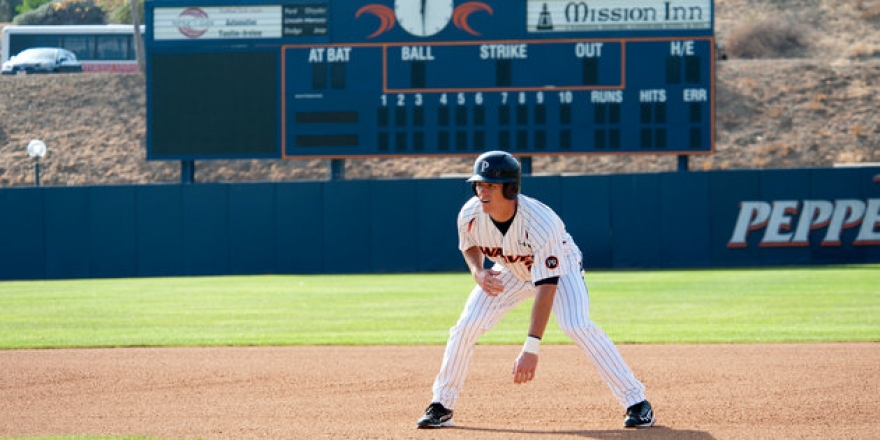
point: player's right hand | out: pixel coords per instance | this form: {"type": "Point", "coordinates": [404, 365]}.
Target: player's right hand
{"type": "Point", "coordinates": [490, 283]}
{"type": "Point", "coordinates": [524, 367]}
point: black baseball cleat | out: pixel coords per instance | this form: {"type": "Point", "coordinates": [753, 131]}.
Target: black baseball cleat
{"type": "Point", "coordinates": [436, 416]}
{"type": "Point", "coordinates": [639, 415]}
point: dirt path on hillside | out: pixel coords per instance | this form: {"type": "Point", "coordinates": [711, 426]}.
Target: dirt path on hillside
{"type": "Point", "coordinates": [698, 391]}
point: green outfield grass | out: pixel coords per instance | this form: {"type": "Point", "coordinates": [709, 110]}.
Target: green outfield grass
{"type": "Point", "coordinates": [805, 304]}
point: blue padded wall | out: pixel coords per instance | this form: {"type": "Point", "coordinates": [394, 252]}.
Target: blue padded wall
{"type": "Point", "coordinates": [635, 220]}
{"type": "Point", "coordinates": [159, 219]}
{"type": "Point", "coordinates": [206, 235]}
{"type": "Point", "coordinates": [252, 233]}
{"type": "Point", "coordinates": [299, 226]}
{"type": "Point", "coordinates": [112, 231]}
{"type": "Point", "coordinates": [666, 220]}
{"type": "Point", "coordinates": [66, 221]}
{"type": "Point", "coordinates": [22, 234]}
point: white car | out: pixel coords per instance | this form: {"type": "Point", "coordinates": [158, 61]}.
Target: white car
{"type": "Point", "coordinates": [42, 60]}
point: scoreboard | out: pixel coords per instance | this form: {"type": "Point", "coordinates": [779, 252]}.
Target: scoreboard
{"type": "Point", "coordinates": [349, 78]}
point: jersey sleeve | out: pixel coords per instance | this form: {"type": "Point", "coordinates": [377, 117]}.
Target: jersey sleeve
{"type": "Point", "coordinates": [466, 219]}
{"type": "Point", "coordinates": [551, 247]}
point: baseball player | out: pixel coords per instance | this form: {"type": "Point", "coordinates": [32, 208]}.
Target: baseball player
{"type": "Point", "coordinates": [534, 257]}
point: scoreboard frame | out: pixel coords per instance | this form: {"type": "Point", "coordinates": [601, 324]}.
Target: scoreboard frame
{"type": "Point", "coordinates": [252, 86]}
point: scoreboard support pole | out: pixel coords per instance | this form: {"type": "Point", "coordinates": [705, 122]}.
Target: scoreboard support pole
{"type": "Point", "coordinates": [187, 171]}
{"type": "Point", "coordinates": [682, 163]}
{"type": "Point", "coordinates": [337, 169]}
{"type": "Point", "coordinates": [526, 165]}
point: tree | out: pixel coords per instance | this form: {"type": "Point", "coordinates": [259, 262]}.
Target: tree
{"type": "Point", "coordinates": [29, 5]}
{"type": "Point", "coordinates": [63, 12]}
{"type": "Point", "coordinates": [119, 11]}
{"type": "Point", "coordinates": [131, 11]}
{"type": "Point", "coordinates": [7, 10]}
{"type": "Point", "coordinates": [138, 38]}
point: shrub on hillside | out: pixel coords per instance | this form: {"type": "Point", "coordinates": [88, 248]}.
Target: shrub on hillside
{"type": "Point", "coordinates": [7, 10]}
{"type": "Point", "coordinates": [63, 12]}
{"type": "Point", "coordinates": [119, 11]}
{"type": "Point", "coordinates": [29, 5]}
{"type": "Point", "coordinates": [772, 38]}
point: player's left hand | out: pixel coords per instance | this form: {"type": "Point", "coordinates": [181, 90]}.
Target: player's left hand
{"type": "Point", "coordinates": [524, 367]}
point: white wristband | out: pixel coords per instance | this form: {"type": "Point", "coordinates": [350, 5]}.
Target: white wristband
{"type": "Point", "coordinates": [532, 345]}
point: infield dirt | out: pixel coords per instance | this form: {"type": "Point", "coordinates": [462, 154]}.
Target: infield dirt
{"type": "Point", "coordinates": [791, 391]}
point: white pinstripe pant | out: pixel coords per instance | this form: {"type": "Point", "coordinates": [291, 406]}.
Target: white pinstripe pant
{"type": "Point", "coordinates": [572, 309]}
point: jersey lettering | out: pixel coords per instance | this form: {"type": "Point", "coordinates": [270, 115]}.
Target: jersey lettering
{"type": "Point", "coordinates": [497, 252]}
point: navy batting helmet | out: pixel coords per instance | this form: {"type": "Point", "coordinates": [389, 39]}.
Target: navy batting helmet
{"type": "Point", "coordinates": [497, 167]}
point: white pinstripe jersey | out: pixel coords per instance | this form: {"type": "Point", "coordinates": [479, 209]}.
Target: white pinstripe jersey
{"type": "Point", "coordinates": [535, 246]}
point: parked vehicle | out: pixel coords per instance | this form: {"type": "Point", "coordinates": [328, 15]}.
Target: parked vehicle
{"type": "Point", "coordinates": [42, 60]}
{"type": "Point", "coordinates": [98, 47]}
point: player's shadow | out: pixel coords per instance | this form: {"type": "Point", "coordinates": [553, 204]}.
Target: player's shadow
{"type": "Point", "coordinates": [656, 432]}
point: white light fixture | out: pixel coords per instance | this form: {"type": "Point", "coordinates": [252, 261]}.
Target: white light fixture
{"type": "Point", "coordinates": [36, 149]}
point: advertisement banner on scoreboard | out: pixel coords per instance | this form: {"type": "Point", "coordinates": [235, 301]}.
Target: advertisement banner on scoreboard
{"type": "Point", "coordinates": [604, 15]}
{"type": "Point", "coordinates": [223, 23]}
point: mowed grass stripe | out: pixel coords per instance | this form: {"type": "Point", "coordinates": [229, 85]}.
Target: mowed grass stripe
{"type": "Point", "coordinates": [803, 304]}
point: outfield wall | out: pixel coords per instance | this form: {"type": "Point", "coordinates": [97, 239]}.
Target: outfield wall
{"type": "Point", "coordinates": [667, 220]}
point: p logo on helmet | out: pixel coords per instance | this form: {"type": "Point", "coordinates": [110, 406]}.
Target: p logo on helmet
{"type": "Point", "coordinates": [497, 167]}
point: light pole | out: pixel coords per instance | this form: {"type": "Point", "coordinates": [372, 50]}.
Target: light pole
{"type": "Point", "coordinates": [36, 149]}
